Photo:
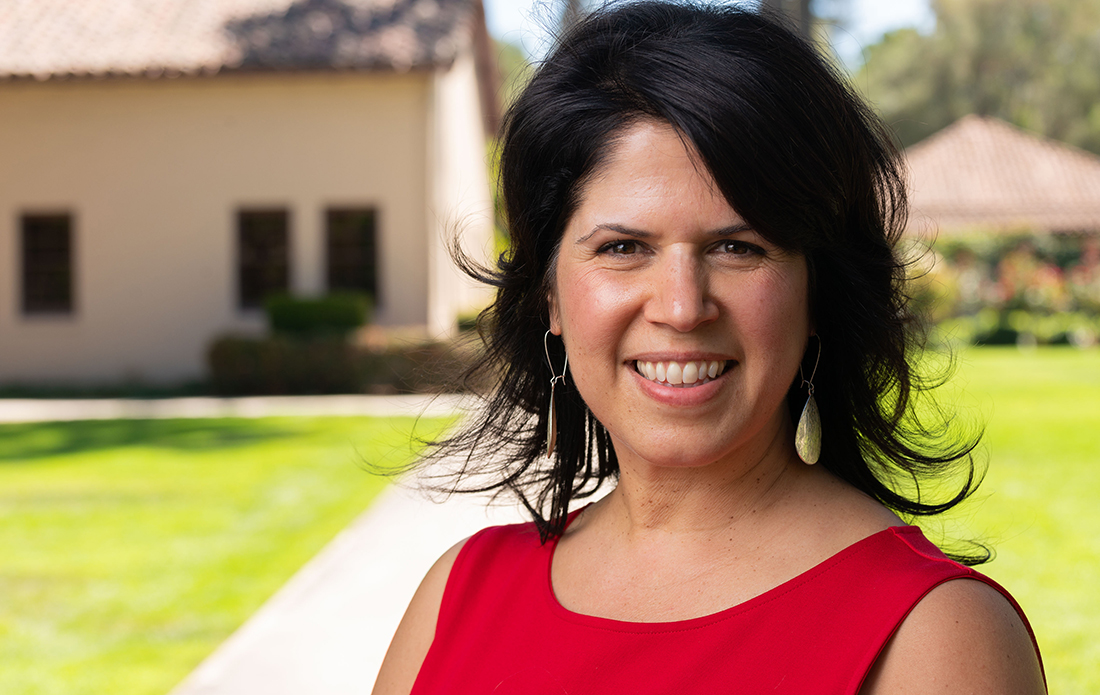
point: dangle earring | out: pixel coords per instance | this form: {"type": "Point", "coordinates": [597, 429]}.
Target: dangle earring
{"type": "Point", "coordinates": [552, 413]}
{"type": "Point", "coordinates": [807, 437]}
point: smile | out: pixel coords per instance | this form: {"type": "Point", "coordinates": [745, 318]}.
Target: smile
{"type": "Point", "coordinates": [681, 374]}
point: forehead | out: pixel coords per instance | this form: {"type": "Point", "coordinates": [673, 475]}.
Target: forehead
{"type": "Point", "coordinates": [651, 170]}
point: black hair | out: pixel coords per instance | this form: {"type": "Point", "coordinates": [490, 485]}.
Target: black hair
{"type": "Point", "coordinates": [797, 154]}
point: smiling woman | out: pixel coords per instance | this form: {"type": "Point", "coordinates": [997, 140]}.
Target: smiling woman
{"type": "Point", "coordinates": [656, 275]}
{"type": "Point", "coordinates": [703, 219]}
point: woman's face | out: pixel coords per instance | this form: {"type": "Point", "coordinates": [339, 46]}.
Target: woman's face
{"type": "Point", "coordinates": [684, 327]}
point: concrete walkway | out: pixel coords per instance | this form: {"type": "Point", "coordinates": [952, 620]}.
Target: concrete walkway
{"type": "Point", "coordinates": [326, 631]}
{"type": "Point", "coordinates": [41, 410]}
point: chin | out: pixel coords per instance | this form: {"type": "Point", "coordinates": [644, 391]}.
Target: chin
{"type": "Point", "coordinates": [673, 455]}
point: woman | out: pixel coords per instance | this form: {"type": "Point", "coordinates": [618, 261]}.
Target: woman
{"type": "Point", "coordinates": [702, 219]}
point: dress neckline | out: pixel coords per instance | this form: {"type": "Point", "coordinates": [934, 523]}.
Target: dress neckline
{"type": "Point", "coordinates": [886, 535]}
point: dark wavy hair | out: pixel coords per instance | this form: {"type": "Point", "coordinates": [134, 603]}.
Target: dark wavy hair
{"type": "Point", "coordinates": [798, 155]}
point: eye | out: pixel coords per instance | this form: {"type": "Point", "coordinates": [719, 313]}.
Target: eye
{"type": "Point", "coordinates": [620, 248]}
{"type": "Point", "coordinates": [739, 248]}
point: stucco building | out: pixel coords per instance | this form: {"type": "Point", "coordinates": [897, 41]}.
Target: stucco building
{"type": "Point", "coordinates": [168, 163]}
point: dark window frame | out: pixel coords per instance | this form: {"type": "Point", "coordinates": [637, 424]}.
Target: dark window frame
{"type": "Point", "coordinates": [47, 264]}
{"type": "Point", "coordinates": [352, 265]}
{"type": "Point", "coordinates": [263, 266]}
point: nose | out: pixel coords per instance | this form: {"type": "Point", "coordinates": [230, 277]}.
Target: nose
{"type": "Point", "coordinates": [680, 294]}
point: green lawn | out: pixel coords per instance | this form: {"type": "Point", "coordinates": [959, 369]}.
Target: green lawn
{"type": "Point", "coordinates": [1039, 507]}
{"type": "Point", "coordinates": [130, 549]}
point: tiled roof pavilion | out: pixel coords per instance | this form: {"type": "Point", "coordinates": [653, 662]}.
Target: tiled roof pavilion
{"type": "Point", "coordinates": [49, 39]}
{"type": "Point", "coordinates": [982, 174]}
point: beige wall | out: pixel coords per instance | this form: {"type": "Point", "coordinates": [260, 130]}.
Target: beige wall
{"type": "Point", "coordinates": [154, 172]}
{"type": "Point", "coordinates": [460, 203]}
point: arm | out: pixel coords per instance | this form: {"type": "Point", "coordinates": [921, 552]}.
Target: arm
{"type": "Point", "coordinates": [963, 637]}
{"type": "Point", "coordinates": [417, 629]}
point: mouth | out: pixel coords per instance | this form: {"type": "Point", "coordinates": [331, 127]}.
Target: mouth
{"type": "Point", "coordinates": [682, 374]}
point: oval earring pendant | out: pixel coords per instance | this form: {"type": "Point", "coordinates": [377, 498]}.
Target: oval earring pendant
{"type": "Point", "coordinates": [807, 438]}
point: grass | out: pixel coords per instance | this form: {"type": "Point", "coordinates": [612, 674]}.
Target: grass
{"type": "Point", "coordinates": [1038, 505]}
{"type": "Point", "coordinates": [131, 549]}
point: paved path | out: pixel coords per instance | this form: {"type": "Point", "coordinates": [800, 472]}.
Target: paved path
{"type": "Point", "coordinates": [39, 410]}
{"type": "Point", "coordinates": [326, 631]}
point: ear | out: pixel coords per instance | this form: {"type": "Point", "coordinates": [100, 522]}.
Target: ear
{"type": "Point", "coordinates": [555, 315]}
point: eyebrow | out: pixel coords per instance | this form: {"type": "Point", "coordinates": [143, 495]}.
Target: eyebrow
{"type": "Point", "coordinates": [642, 234]}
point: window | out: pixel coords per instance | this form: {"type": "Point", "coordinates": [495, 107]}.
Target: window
{"type": "Point", "coordinates": [263, 256]}
{"type": "Point", "coordinates": [350, 246]}
{"type": "Point", "coordinates": [47, 264]}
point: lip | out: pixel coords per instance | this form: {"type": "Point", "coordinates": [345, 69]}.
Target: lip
{"type": "Point", "coordinates": [679, 357]}
{"type": "Point", "coordinates": [678, 396]}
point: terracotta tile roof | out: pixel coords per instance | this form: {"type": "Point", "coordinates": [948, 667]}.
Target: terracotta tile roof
{"type": "Point", "coordinates": [52, 38]}
{"type": "Point", "coordinates": [983, 174]}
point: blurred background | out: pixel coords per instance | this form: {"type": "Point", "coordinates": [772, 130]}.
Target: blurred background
{"type": "Point", "coordinates": [217, 208]}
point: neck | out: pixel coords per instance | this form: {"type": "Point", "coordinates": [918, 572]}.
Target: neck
{"type": "Point", "coordinates": [737, 492]}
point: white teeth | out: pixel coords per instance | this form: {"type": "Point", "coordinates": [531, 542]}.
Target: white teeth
{"type": "Point", "coordinates": [677, 374]}
{"type": "Point", "coordinates": [691, 373]}
{"type": "Point", "coordinates": [674, 374]}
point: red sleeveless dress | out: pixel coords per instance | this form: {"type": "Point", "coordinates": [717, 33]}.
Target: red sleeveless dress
{"type": "Point", "coordinates": [502, 631]}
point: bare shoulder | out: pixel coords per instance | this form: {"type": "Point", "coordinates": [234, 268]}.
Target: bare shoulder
{"type": "Point", "coordinates": [963, 637]}
{"type": "Point", "coordinates": [417, 629]}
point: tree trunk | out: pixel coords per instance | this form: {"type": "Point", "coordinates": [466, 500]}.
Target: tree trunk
{"type": "Point", "coordinates": [573, 10]}
{"type": "Point", "coordinates": [797, 10]}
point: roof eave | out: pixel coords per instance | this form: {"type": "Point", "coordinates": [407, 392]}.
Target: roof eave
{"type": "Point", "coordinates": [162, 73]}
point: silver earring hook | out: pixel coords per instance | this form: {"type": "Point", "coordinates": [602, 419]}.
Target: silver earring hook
{"type": "Point", "coordinates": [546, 346]}
{"type": "Point", "coordinates": [810, 384]}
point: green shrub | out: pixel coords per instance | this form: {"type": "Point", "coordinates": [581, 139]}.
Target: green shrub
{"type": "Point", "coordinates": [424, 368]}
{"type": "Point", "coordinates": [1017, 327]}
{"type": "Point", "coordinates": [282, 365]}
{"type": "Point", "coordinates": [334, 314]}
{"type": "Point", "coordinates": [285, 365]}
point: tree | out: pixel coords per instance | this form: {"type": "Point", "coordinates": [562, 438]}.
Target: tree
{"type": "Point", "coordinates": [571, 12]}
{"type": "Point", "coordinates": [1030, 62]}
{"type": "Point", "coordinates": [797, 10]}
{"type": "Point", "coordinates": [515, 70]}
{"type": "Point", "coordinates": [817, 20]}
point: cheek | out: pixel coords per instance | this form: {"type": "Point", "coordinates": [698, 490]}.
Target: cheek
{"type": "Point", "coordinates": [591, 311]}
{"type": "Point", "coordinates": [791, 321]}
{"type": "Point", "coordinates": [775, 311]}
{"type": "Point", "coordinates": [584, 296]}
